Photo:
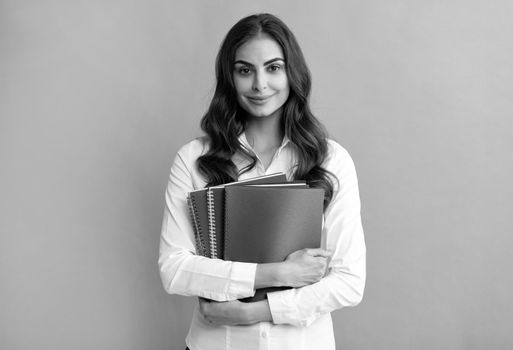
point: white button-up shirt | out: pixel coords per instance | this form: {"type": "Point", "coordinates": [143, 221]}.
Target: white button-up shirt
{"type": "Point", "coordinates": [301, 316]}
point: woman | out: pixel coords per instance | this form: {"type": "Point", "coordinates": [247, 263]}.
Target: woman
{"type": "Point", "coordinates": [259, 122]}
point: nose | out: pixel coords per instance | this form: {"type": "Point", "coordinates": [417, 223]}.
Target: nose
{"type": "Point", "coordinates": [259, 82]}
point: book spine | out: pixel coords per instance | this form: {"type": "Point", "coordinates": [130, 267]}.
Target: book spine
{"type": "Point", "coordinates": [212, 224]}
{"type": "Point", "coordinates": [226, 226]}
{"type": "Point", "coordinates": [200, 247]}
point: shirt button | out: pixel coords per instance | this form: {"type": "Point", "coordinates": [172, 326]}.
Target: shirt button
{"type": "Point", "coordinates": [264, 335]}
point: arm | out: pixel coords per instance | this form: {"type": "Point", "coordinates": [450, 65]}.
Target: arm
{"type": "Point", "coordinates": [344, 284]}
{"type": "Point", "coordinates": [234, 312]}
{"type": "Point", "coordinates": [301, 268]}
{"type": "Point", "coordinates": [181, 271]}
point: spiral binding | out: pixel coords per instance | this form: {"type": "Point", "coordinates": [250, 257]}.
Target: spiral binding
{"type": "Point", "coordinates": [226, 226]}
{"type": "Point", "coordinates": [212, 224]}
{"type": "Point", "coordinates": [194, 214]}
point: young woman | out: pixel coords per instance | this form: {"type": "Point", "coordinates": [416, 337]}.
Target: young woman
{"type": "Point", "coordinates": [259, 122]}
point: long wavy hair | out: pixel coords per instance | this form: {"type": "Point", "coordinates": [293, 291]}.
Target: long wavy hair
{"type": "Point", "coordinates": [225, 120]}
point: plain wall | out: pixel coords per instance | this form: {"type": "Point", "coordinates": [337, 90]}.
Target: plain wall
{"type": "Point", "coordinates": [97, 96]}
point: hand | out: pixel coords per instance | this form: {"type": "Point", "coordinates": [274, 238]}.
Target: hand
{"type": "Point", "coordinates": [304, 267]}
{"type": "Point", "coordinates": [223, 313]}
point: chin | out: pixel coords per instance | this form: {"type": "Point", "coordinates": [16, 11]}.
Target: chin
{"type": "Point", "coordinates": [260, 115]}
{"type": "Point", "coordinates": [261, 112]}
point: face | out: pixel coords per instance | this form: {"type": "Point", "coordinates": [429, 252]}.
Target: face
{"type": "Point", "coordinates": [260, 78]}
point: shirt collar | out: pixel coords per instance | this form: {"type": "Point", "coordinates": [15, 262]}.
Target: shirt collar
{"type": "Point", "coordinates": [244, 142]}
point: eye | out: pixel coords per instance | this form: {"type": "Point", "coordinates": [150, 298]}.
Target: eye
{"type": "Point", "coordinates": [274, 68]}
{"type": "Point", "coordinates": [244, 70]}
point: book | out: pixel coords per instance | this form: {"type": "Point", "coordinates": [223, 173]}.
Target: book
{"type": "Point", "coordinates": [265, 224]}
{"type": "Point", "coordinates": [199, 219]}
{"type": "Point", "coordinates": [216, 209]}
{"type": "Point", "coordinates": [206, 207]}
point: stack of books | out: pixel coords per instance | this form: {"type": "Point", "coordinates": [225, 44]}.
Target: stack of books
{"type": "Point", "coordinates": [259, 220]}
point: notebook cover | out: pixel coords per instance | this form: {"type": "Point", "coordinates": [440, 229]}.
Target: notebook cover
{"type": "Point", "coordinates": [266, 224]}
{"type": "Point", "coordinates": [216, 206]}
{"type": "Point", "coordinates": [198, 243]}
{"type": "Point", "coordinates": [198, 209]}
{"type": "Point", "coordinates": [209, 229]}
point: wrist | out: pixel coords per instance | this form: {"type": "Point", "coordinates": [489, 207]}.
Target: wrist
{"type": "Point", "coordinates": [282, 274]}
{"type": "Point", "coordinates": [269, 275]}
{"type": "Point", "coordinates": [257, 312]}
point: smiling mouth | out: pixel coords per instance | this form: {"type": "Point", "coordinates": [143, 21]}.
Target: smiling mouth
{"type": "Point", "coordinates": [259, 100]}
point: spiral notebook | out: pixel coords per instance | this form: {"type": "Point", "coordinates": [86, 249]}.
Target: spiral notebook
{"type": "Point", "coordinates": [265, 224]}
{"type": "Point", "coordinates": [199, 219]}
{"type": "Point", "coordinates": [206, 207]}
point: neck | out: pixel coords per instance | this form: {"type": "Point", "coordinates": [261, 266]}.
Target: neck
{"type": "Point", "coordinates": [264, 133]}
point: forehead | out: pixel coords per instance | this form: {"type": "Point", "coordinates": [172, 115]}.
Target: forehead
{"type": "Point", "coordinates": [258, 50]}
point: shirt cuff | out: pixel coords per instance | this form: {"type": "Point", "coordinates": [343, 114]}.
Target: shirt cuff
{"type": "Point", "coordinates": [242, 276]}
{"type": "Point", "coordinates": [284, 309]}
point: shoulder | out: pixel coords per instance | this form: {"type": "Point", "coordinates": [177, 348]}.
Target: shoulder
{"type": "Point", "coordinates": [192, 150]}
{"type": "Point", "coordinates": [337, 155]}
{"type": "Point", "coordinates": [184, 169]}
{"type": "Point", "coordinates": [339, 163]}
{"type": "Point", "coordinates": [187, 155]}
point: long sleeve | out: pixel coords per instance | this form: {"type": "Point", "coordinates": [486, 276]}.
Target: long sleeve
{"type": "Point", "coordinates": [181, 271]}
{"type": "Point", "coordinates": [343, 286]}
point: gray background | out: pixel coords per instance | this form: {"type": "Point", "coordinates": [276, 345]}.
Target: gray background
{"type": "Point", "coordinates": [97, 96]}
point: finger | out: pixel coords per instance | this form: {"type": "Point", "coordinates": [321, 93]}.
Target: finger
{"type": "Point", "coordinates": [318, 252]}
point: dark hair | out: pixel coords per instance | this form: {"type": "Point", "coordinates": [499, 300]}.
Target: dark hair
{"type": "Point", "coordinates": [224, 120]}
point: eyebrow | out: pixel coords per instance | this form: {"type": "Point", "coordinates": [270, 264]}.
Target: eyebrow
{"type": "Point", "coordinates": [265, 63]}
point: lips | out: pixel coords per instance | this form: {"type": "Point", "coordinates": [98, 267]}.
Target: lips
{"type": "Point", "coordinates": [259, 100]}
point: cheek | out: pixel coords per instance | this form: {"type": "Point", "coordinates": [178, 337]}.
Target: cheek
{"type": "Point", "coordinates": [241, 85]}
{"type": "Point", "coordinates": [280, 83]}
{"type": "Point", "coordinates": [286, 90]}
